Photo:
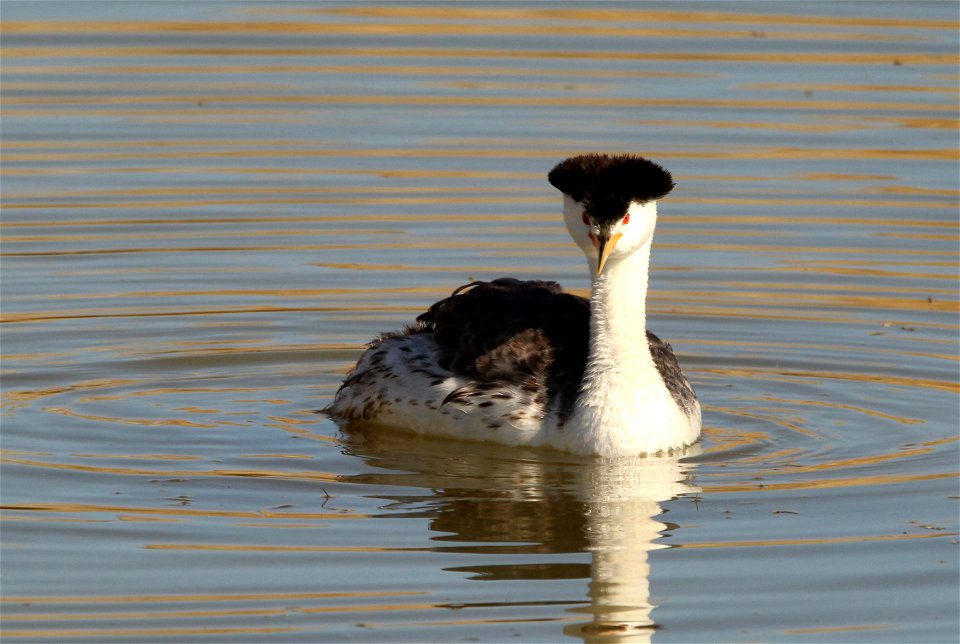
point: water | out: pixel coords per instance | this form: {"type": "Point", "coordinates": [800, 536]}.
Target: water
{"type": "Point", "coordinates": [208, 208]}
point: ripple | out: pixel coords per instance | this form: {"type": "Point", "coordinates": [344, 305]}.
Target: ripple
{"type": "Point", "coordinates": [207, 214]}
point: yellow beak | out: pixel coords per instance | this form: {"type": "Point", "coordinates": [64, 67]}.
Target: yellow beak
{"type": "Point", "coordinates": [604, 244]}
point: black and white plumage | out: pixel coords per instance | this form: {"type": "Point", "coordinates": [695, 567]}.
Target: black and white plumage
{"type": "Point", "coordinates": [524, 363]}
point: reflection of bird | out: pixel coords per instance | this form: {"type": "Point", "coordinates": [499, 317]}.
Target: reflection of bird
{"type": "Point", "coordinates": [525, 363]}
{"type": "Point", "coordinates": [518, 513]}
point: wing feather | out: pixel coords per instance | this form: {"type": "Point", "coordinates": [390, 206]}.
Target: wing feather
{"type": "Point", "coordinates": [526, 334]}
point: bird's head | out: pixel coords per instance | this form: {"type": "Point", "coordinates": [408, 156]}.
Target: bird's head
{"type": "Point", "coordinates": [610, 203]}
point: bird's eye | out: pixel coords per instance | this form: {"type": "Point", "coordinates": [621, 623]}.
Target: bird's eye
{"type": "Point", "coordinates": [586, 218]}
{"type": "Point", "coordinates": [626, 219]}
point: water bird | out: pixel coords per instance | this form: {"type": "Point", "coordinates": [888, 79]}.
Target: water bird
{"type": "Point", "coordinates": [525, 363]}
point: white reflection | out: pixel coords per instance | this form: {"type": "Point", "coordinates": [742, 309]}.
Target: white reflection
{"type": "Point", "coordinates": [488, 497]}
{"type": "Point", "coordinates": [622, 499]}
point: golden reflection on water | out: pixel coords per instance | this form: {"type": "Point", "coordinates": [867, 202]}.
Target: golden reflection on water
{"type": "Point", "coordinates": [357, 69]}
{"type": "Point", "coordinates": [548, 155]}
{"type": "Point", "coordinates": [177, 614]}
{"type": "Point", "coordinates": [182, 512]}
{"type": "Point", "coordinates": [132, 228]}
{"type": "Point", "coordinates": [232, 547]}
{"type": "Point", "coordinates": [804, 542]}
{"type": "Point", "coordinates": [827, 484]}
{"type": "Point", "coordinates": [213, 597]}
{"type": "Point", "coordinates": [621, 14]}
{"type": "Point", "coordinates": [823, 403]}
{"type": "Point", "coordinates": [838, 629]}
{"type": "Point", "coordinates": [777, 58]}
{"type": "Point", "coordinates": [147, 632]}
{"type": "Point", "coordinates": [433, 28]}
{"type": "Point", "coordinates": [796, 376]}
{"type": "Point", "coordinates": [161, 473]}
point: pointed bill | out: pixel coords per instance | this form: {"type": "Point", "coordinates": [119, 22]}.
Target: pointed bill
{"type": "Point", "coordinates": [605, 243]}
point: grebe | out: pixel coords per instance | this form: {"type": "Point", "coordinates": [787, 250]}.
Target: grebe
{"type": "Point", "coordinates": [523, 363]}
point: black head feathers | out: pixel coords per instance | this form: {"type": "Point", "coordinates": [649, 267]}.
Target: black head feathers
{"type": "Point", "coordinates": [607, 184]}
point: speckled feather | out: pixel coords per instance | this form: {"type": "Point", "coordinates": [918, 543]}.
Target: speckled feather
{"type": "Point", "coordinates": [526, 335]}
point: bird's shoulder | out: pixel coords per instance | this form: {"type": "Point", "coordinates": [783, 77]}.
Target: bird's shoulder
{"type": "Point", "coordinates": [508, 328]}
{"type": "Point", "coordinates": [667, 365]}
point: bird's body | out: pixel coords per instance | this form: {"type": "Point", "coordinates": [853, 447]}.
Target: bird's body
{"type": "Point", "coordinates": [524, 363]}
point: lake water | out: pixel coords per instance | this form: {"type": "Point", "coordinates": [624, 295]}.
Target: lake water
{"type": "Point", "coordinates": [208, 208]}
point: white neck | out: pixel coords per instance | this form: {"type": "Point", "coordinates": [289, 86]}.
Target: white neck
{"type": "Point", "coordinates": [618, 315]}
{"type": "Point", "coordinates": [624, 406]}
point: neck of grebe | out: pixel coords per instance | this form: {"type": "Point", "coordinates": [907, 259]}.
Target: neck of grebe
{"type": "Point", "coordinates": [618, 316]}
{"type": "Point", "coordinates": [624, 407]}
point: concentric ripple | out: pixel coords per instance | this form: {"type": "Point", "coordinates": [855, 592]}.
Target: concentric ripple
{"type": "Point", "coordinates": [209, 208]}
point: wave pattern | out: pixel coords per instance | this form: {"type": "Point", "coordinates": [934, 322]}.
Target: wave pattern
{"type": "Point", "coordinates": [209, 208]}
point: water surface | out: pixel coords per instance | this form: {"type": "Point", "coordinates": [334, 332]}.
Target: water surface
{"type": "Point", "coordinates": [208, 208]}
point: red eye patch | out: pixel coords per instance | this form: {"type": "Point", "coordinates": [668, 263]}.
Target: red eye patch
{"type": "Point", "coordinates": [626, 219]}
{"type": "Point", "coordinates": [586, 218]}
